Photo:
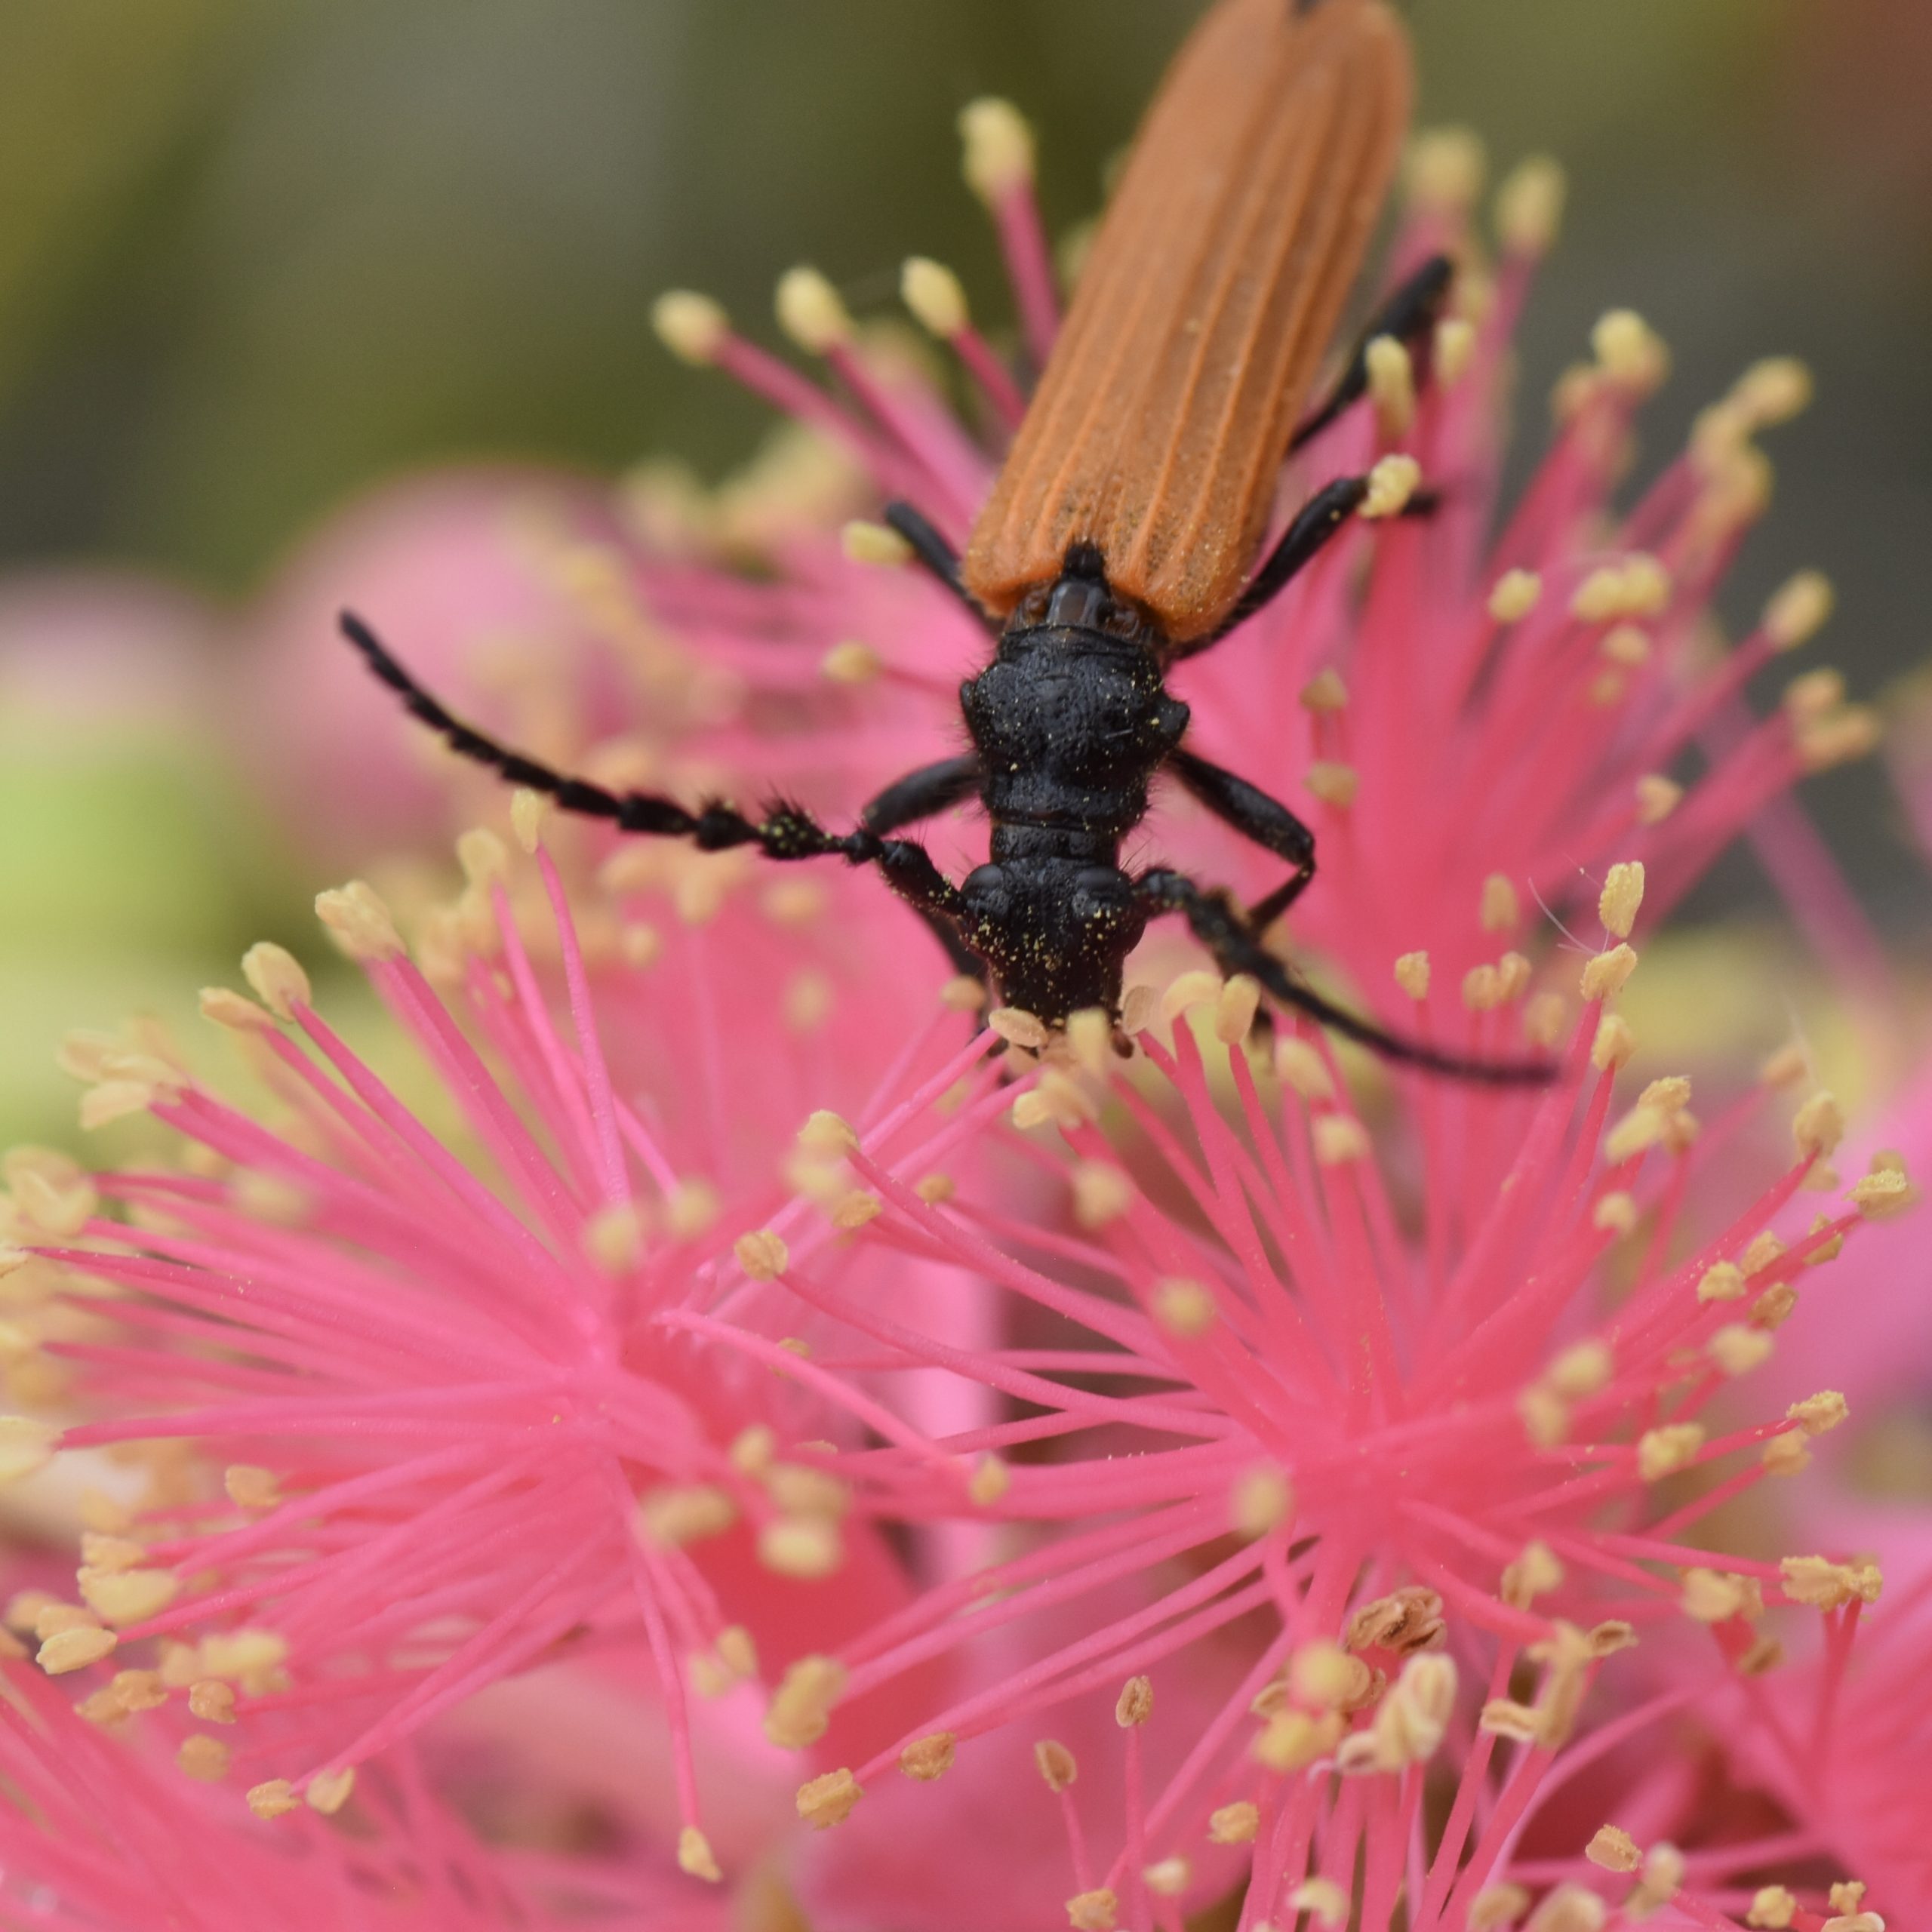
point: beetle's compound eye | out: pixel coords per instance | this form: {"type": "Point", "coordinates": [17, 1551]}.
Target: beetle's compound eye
{"type": "Point", "coordinates": [1121, 620]}
{"type": "Point", "coordinates": [1033, 606]}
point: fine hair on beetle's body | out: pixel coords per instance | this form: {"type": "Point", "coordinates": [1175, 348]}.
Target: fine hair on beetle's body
{"type": "Point", "coordinates": [1122, 534]}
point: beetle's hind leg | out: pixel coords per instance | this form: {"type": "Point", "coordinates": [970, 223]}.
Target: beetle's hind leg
{"type": "Point", "coordinates": [925, 794]}
{"type": "Point", "coordinates": [1220, 926]}
{"type": "Point", "coordinates": [783, 832]}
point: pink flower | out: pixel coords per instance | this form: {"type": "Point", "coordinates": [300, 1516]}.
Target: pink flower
{"type": "Point", "coordinates": [1225, 1470]}
{"type": "Point", "coordinates": [467, 1426]}
{"type": "Point", "coordinates": [122, 1830]}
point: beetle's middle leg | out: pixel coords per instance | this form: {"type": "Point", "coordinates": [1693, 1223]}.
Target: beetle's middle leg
{"type": "Point", "coordinates": [1257, 816]}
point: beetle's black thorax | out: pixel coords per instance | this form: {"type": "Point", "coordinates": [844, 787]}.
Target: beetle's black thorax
{"type": "Point", "coordinates": [1071, 721]}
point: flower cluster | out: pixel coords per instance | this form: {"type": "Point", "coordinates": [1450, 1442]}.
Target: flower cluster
{"type": "Point", "coordinates": [693, 1399]}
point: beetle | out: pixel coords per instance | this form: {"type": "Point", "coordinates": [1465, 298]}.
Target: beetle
{"type": "Point", "coordinates": [1122, 534]}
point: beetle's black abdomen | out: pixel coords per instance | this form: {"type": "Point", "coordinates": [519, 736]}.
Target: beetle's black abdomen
{"type": "Point", "coordinates": [1071, 722]}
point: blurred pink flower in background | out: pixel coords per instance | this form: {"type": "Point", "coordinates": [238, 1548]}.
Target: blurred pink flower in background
{"type": "Point", "coordinates": [1106, 1484]}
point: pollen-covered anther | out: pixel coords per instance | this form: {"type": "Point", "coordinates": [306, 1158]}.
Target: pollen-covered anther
{"type": "Point", "coordinates": [1135, 1704]}
{"type": "Point", "coordinates": [1605, 975]}
{"type": "Point", "coordinates": [1234, 1824]}
{"type": "Point", "coordinates": [1630, 352]}
{"type": "Point", "coordinates": [1102, 1192]}
{"type": "Point", "coordinates": [1837, 737]}
{"type": "Point", "coordinates": [827, 1134]}
{"type": "Point", "coordinates": [680, 1513]}
{"type": "Point", "coordinates": [359, 922]}
{"type": "Point", "coordinates": [827, 1801]}
{"type": "Point", "coordinates": [1096, 1910]}
{"type": "Point", "coordinates": [1529, 207]}
{"type": "Point", "coordinates": [692, 326]}
{"type": "Point", "coordinates": [276, 977]}
{"type": "Point", "coordinates": [1536, 1573]}
{"type": "Point", "coordinates": [1615, 1213]}
{"type": "Point", "coordinates": [26, 1446]}
{"type": "Point", "coordinates": [1613, 1850]}
{"type": "Point", "coordinates": [696, 1858]}
{"type": "Point", "coordinates": [850, 663]}
{"type": "Point", "coordinates": [74, 1648]}
{"type": "Point", "coordinates": [1666, 1450]}
{"type": "Point", "coordinates": [1325, 694]}
{"type": "Point", "coordinates": [1799, 610]}
{"type": "Point", "coordinates": [1339, 1139]}
{"type": "Point", "coordinates": [1452, 350]}
{"type": "Point", "coordinates": [1498, 910]}
{"type": "Point", "coordinates": [1657, 798]}
{"type": "Point", "coordinates": [1723, 1281]}
{"type": "Point", "coordinates": [1708, 1596]}
{"type": "Point", "coordinates": [1391, 385]}
{"type": "Point", "coordinates": [1823, 1585]}
{"type": "Point", "coordinates": [1569, 1908]}
{"type": "Point", "coordinates": [1626, 646]}
{"type": "Point", "coordinates": [1291, 1740]}
{"type": "Point", "coordinates": [998, 144]}
{"type": "Point", "coordinates": [1515, 594]}
{"type": "Point", "coordinates": [762, 1255]}
{"type": "Point", "coordinates": [1496, 1907]}
{"type": "Point", "coordinates": [1261, 1500]}
{"type": "Point", "coordinates": [1820, 1415]}
{"type": "Point", "coordinates": [1853, 1921]}
{"type": "Point", "coordinates": [876, 543]}
{"type": "Point", "coordinates": [1409, 1721]}
{"type": "Point", "coordinates": [1887, 1190]}
{"type": "Point", "coordinates": [1622, 897]}
{"type": "Point", "coordinates": [1235, 1010]}
{"type": "Point", "coordinates": [51, 1191]}
{"type": "Point", "coordinates": [1185, 991]}
{"type": "Point", "coordinates": [122, 1597]}
{"type": "Point", "coordinates": [1772, 1908]}
{"type": "Point", "coordinates": [1392, 483]}
{"type": "Point", "coordinates": [991, 1479]}
{"type": "Point", "coordinates": [1444, 170]}
{"type": "Point", "coordinates": [1582, 1370]}
{"type": "Point", "coordinates": [1055, 1763]}
{"type": "Point", "coordinates": [1412, 975]}
{"type": "Point", "coordinates": [936, 296]}
{"type": "Point", "coordinates": [328, 1791]}
{"type": "Point", "coordinates": [1323, 1899]}
{"type": "Point", "coordinates": [1739, 1349]}
{"type": "Point", "coordinates": [1300, 1065]}
{"type": "Point", "coordinates": [1323, 1676]}
{"type": "Point", "coordinates": [1184, 1309]}
{"type": "Point", "coordinates": [963, 994]}
{"type": "Point", "coordinates": [1405, 1621]}
{"type": "Point", "coordinates": [1773, 391]}
{"type": "Point", "coordinates": [807, 1547]}
{"type": "Point", "coordinates": [811, 312]}
{"type": "Point", "coordinates": [275, 1798]}
{"type": "Point", "coordinates": [800, 1708]}
{"type": "Point", "coordinates": [856, 1208]}
{"type": "Point", "coordinates": [1544, 1416]}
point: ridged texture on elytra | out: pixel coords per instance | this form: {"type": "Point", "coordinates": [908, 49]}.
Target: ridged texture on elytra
{"type": "Point", "coordinates": [1163, 417]}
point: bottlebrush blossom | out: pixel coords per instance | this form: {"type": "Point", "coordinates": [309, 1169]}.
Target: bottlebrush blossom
{"type": "Point", "coordinates": [122, 1830]}
{"type": "Point", "coordinates": [447, 1427]}
{"type": "Point", "coordinates": [1269, 1465]}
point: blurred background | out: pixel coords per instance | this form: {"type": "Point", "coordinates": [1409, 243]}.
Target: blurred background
{"type": "Point", "coordinates": [257, 261]}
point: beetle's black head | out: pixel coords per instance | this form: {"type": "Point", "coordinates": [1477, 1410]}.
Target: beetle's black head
{"type": "Point", "coordinates": [1081, 599]}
